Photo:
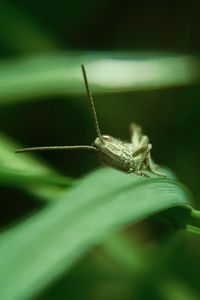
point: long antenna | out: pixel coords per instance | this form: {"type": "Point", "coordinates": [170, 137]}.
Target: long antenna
{"type": "Point", "coordinates": [78, 147]}
{"type": "Point", "coordinates": [91, 101]}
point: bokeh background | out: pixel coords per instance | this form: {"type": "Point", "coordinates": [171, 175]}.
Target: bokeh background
{"type": "Point", "coordinates": [168, 114]}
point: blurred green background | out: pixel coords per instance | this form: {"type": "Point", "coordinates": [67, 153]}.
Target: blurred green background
{"type": "Point", "coordinates": [43, 39]}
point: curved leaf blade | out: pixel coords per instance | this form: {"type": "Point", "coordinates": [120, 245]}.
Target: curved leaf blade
{"type": "Point", "coordinates": [60, 73]}
{"type": "Point", "coordinates": [28, 172]}
{"type": "Point", "coordinates": [38, 250]}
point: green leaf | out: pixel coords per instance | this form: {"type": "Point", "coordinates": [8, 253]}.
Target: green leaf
{"type": "Point", "coordinates": [107, 72]}
{"type": "Point", "coordinates": [20, 31]}
{"type": "Point", "coordinates": [38, 250]}
{"type": "Point", "coordinates": [24, 171]}
{"type": "Point", "coordinates": [189, 220]}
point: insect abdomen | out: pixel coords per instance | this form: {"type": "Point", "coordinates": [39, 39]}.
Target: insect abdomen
{"type": "Point", "coordinates": [122, 162]}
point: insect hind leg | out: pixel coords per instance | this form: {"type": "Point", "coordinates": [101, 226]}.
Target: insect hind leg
{"type": "Point", "coordinates": [136, 134]}
{"type": "Point", "coordinates": [153, 167]}
{"type": "Point", "coordinates": [143, 152]}
{"type": "Point", "coordinates": [144, 141]}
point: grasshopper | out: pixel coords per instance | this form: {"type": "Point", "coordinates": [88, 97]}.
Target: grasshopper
{"type": "Point", "coordinates": [128, 157]}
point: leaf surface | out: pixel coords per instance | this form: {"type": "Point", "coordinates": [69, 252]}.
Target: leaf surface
{"type": "Point", "coordinates": [40, 249]}
{"type": "Point", "coordinates": [43, 75]}
{"type": "Point", "coordinates": [28, 172]}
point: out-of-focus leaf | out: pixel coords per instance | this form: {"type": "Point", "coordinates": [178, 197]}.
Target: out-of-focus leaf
{"type": "Point", "coordinates": [127, 253]}
{"type": "Point", "coordinates": [31, 174]}
{"type": "Point", "coordinates": [21, 32]}
{"type": "Point", "coordinates": [108, 72]}
{"type": "Point", "coordinates": [186, 219]}
{"type": "Point", "coordinates": [177, 289]}
{"type": "Point", "coordinates": [38, 250]}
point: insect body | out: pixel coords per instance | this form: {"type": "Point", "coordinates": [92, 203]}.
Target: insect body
{"type": "Point", "coordinates": [128, 157]}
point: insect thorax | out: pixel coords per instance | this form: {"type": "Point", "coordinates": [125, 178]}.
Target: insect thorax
{"type": "Point", "coordinates": [114, 153]}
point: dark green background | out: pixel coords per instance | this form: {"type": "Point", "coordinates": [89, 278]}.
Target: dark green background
{"type": "Point", "coordinates": [170, 116]}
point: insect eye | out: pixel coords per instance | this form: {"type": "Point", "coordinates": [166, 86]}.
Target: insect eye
{"type": "Point", "coordinates": [106, 137]}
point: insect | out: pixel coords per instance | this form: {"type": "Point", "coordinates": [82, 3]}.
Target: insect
{"type": "Point", "coordinates": [128, 157]}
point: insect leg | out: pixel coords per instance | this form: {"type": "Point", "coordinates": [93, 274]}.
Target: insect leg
{"type": "Point", "coordinates": [144, 141]}
{"type": "Point", "coordinates": [143, 152]}
{"type": "Point", "coordinates": [136, 134]}
{"type": "Point", "coordinates": [139, 173]}
{"type": "Point", "coordinates": [153, 167]}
